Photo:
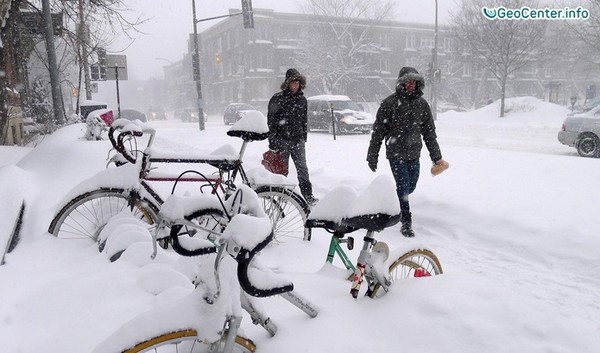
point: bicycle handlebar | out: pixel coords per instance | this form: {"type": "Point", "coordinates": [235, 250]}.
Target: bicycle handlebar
{"type": "Point", "coordinates": [121, 148]}
{"type": "Point", "coordinates": [244, 258]}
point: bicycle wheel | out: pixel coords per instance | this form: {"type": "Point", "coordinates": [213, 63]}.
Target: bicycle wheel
{"type": "Point", "coordinates": [185, 341]}
{"type": "Point", "coordinates": [415, 263]}
{"type": "Point", "coordinates": [287, 211]}
{"type": "Point", "coordinates": [87, 214]}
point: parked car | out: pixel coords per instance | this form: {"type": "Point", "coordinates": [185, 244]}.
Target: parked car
{"type": "Point", "coordinates": [189, 114]}
{"type": "Point", "coordinates": [232, 112]}
{"type": "Point", "coordinates": [132, 114]}
{"type": "Point", "coordinates": [582, 131]}
{"type": "Point", "coordinates": [156, 114]}
{"type": "Point", "coordinates": [348, 117]}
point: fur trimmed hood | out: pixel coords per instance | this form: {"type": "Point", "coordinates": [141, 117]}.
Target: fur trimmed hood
{"type": "Point", "coordinates": [293, 75]}
{"type": "Point", "coordinates": [408, 73]}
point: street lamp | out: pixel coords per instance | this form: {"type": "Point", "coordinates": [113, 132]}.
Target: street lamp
{"type": "Point", "coordinates": [434, 74]}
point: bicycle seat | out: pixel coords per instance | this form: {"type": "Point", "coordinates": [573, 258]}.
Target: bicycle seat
{"type": "Point", "coordinates": [331, 209]}
{"type": "Point", "coordinates": [372, 222]}
{"type": "Point", "coordinates": [248, 135]}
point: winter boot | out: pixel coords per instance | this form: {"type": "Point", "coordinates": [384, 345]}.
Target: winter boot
{"type": "Point", "coordinates": [311, 200]}
{"type": "Point", "coordinates": [407, 230]}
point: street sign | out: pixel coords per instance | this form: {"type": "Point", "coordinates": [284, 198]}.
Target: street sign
{"type": "Point", "coordinates": [114, 63]}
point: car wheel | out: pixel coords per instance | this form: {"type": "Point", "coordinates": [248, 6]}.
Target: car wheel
{"type": "Point", "coordinates": [589, 146]}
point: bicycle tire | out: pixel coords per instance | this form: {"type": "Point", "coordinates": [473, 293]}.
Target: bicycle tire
{"type": "Point", "coordinates": [87, 214]}
{"type": "Point", "coordinates": [186, 341]}
{"type": "Point", "coordinates": [414, 263]}
{"type": "Point", "coordinates": [287, 210]}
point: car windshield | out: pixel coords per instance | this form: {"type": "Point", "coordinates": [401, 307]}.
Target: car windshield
{"type": "Point", "coordinates": [341, 105]}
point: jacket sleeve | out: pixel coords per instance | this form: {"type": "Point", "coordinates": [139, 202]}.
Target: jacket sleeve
{"type": "Point", "coordinates": [429, 135]}
{"type": "Point", "coordinates": [380, 129]}
{"type": "Point", "coordinates": [304, 115]}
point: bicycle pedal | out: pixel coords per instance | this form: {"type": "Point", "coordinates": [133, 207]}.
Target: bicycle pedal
{"type": "Point", "coordinates": [382, 248]}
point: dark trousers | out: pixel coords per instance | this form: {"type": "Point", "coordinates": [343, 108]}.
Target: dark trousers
{"type": "Point", "coordinates": [298, 154]}
{"type": "Point", "coordinates": [406, 174]}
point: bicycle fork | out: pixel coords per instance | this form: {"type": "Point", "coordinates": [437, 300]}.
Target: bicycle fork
{"type": "Point", "coordinates": [363, 259]}
{"type": "Point", "coordinates": [364, 266]}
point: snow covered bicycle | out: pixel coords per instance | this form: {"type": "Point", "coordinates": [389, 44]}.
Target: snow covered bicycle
{"type": "Point", "coordinates": [90, 205]}
{"type": "Point", "coordinates": [209, 318]}
{"type": "Point", "coordinates": [342, 211]}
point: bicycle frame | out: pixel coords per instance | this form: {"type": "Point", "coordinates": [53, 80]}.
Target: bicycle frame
{"type": "Point", "coordinates": [335, 247]}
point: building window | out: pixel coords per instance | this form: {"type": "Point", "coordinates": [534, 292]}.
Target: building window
{"type": "Point", "coordinates": [448, 44]}
{"type": "Point", "coordinates": [384, 40]}
{"type": "Point", "coordinates": [427, 42]}
{"type": "Point", "coordinates": [410, 41]}
{"type": "Point", "coordinates": [467, 70]}
{"type": "Point", "coordinates": [227, 40]}
{"type": "Point", "coordinates": [384, 65]}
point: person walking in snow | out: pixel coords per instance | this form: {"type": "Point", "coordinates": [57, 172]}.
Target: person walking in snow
{"type": "Point", "coordinates": [287, 121]}
{"type": "Point", "coordinates": [401, 120]}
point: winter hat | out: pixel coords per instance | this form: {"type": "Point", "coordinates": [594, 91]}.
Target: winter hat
{"type": "Point", "coordinates": [293, 75]}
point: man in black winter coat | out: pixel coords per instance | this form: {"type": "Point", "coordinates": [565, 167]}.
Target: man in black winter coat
{"type": "Point", "coordinates": [287, 121]}
{"type": "Point", "coordinates": [401, 120]}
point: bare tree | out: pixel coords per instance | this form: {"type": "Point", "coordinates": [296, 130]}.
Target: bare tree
{"type": "Point", "coordinates": [333, 50]}
{"type": "Point", "coordinates": [500, 46]}
{"type": "Point", "coordinates": [95, 24]}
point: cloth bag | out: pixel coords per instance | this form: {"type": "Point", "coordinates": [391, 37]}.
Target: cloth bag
{"type": "Point", "coordinates": [274, 162]}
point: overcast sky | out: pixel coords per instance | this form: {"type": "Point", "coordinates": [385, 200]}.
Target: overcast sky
{"type": "Point", "coordinates": [165, 33]}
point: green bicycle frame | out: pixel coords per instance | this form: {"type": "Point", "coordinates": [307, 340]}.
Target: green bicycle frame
{"type": "Point", "coordinates": [336, 248]}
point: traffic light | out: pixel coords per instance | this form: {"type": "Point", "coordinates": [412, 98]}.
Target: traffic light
{"type": "Point", "coordinates": [218, 58]}
{"type": "Point", "coordinates": [101, 63]}
{"type": "Point", "coordinates": [247, 14]}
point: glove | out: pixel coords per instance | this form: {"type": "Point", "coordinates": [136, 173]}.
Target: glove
{"type": "Point", "coordinates": [372, 163]}
{"type": "Point", "coordinates": [438, 167]}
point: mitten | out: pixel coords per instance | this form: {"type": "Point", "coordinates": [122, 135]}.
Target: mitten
{"type": "Point", "coordinates": [439, 167]}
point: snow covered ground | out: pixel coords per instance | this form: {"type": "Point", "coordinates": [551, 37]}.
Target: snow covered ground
{"type": "Point", "coordinates": [514, 222]}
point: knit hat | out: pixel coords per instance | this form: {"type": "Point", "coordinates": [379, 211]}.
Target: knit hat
{"type": "Point", "coordinates": [293, 75]}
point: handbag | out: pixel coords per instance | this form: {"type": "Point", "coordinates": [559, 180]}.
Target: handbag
{"type": "Point", "coordinates": [274, 162]}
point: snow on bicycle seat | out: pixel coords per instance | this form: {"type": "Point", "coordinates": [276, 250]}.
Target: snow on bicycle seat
{"type": "Point", "coordinates": [331, 209]}
{"type": "Point", "coordinates": [250, 128]}
{"type": "Point", "coordinates": [128, 125]}
{"type": "Point", "coordinates": [376, 208]}
{"type": "Point", "coordinates": [224, 157]}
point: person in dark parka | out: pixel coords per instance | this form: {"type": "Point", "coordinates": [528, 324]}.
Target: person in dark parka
{"type": "Point", "coordinates": [401, 120]}
{"type": "Point", "coordinates": [287, 121]}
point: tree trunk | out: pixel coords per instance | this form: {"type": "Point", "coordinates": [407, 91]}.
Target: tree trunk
{"type": "Point", "coordinates": [503, 94]}
{"type": "Point", "coordinates": [82, 38]}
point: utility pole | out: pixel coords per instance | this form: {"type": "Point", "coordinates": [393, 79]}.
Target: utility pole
{"type": "Point", "coordinates": [196, 70]}
{"type": "Point", "coordinates": [248, 18]}
{"type": "Point", "coordinates": [52, 66]}
{"type": "Point", "coordinates": [434, 73]}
